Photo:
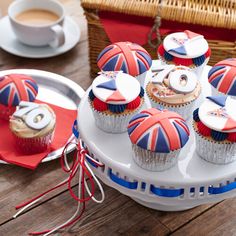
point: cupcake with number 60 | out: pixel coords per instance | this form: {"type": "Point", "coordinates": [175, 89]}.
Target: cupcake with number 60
{"type": "Point", "coordinates": [33, 127]}
{"type": "Point", "coordinates": [114, 98]}
{"type": "Point", "coordinates": [175, 88]}
{"type": "Point", "coordinates": [157, 137]}
{"type": "Point", "coordinates": [215, 129]}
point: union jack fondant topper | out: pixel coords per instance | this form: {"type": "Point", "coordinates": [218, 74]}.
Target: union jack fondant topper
{"type": "Point", "coordinates": [185, 44]}
{"type": "Point", "coordinates": [116, 90]}
{"type": "Point", "coordinates": [222, 76]}
{"type": "Point", "coordinates": [158, 130]}
{"type": "Point", "coordinates": [17, 87]}
{"type": "Point", "coordinates": [129, 57]}
{"type": "Point", "coordinates": [219, 113]}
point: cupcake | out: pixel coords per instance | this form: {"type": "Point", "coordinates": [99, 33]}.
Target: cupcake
{"type": "Point", "coordinates": [128, 57]}
{"type": "Point", "coordinates": [33, 127]}
{"type": "Point", "coordinates": [175, 88]}
{"type": "Point", "coordinates": [222, 78]}
{"type": "Point", "coordinates": [157, 137]}
{"type": "Point", "coordinates": [114, 98]}
{"type": "Point", "coordinates": [215, 129]}
{"type": "Point", "coordinates": [185, 48]}
{"type": "Point", "coordinates": [13, 89]}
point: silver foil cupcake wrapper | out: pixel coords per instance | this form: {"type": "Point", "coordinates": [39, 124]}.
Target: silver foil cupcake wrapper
{"type": "Point", "coordinates": [113, 123]}
{"type": "Point", "coordinates": [185, 110]}
{"type": "Point", "coordinates": [214, 152]}
{"type": "Point", "coordinates": [152, 161]}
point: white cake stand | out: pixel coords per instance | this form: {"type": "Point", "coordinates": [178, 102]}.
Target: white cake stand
{"type": "Point", "coordinates": [190, 183]}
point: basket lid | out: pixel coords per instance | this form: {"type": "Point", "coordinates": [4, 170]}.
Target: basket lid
{"type": "Point", "coordinates": [206, 12]}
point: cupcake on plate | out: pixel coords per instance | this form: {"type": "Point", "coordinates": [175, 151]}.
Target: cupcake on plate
{"type": "Point", "coordinates": [114, 98]}
{"type": "Point", "coordinates": [15, 88]}
{"type": "Point", "coordinates": [175, 88]}
{"type": "Point", "coordinates": [215, 129]}
{"type": "Point", "coordinates": [157, 137]}
{"type": "Point", "coordinates": [222, 78]}
{"type": "Point", "coordinates": [185, 48]}
{"type": "Point", "coordinates": [33, 127]}
{"type": "Point", "coordinates": [128, 57]}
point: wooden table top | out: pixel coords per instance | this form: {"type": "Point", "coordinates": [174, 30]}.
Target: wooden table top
{"type": "Point", "coordinates": [118, 215]}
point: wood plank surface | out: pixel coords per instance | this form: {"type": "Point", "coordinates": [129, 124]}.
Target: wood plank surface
{"type": "Point", "coordinates": [118, 215]}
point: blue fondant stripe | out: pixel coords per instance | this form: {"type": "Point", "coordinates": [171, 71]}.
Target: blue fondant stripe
{"type": "Point", "coordinates": [143, 142]}
{"type": "Point", "coordinates": [132, 128]}
{"type": "Point", "coordinates": [216, 81]}
{"type": "Point", "coordinates": [161, 144]}
{"type": "Point", "coordinates": [34, 85]}
{"type": "Point", "coordinates": [232, 90]}
{"type": "Point", "coordinates": [140, 115]}
{"type": "Point", "coordinates": [4, 95]}
{"type": "Point", "coordinates": [183, 136]}
{"type": "Point", "coordinates": [146, 56]}
{"type": "Point", "coordinates": [110, 65]}
{"type": "Point", "coordinates": [214, 69]}
{"type": "Point", "coordinates": [142, 67]}
{"type": "Point", "coordinates": [219, 100]}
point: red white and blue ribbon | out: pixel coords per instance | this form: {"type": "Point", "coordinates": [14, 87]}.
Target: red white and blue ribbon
{"type": "Point", "coordinates": [79, 165]}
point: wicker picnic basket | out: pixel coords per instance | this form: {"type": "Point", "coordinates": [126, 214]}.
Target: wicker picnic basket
{"type": "Point", "coordinates": [213, 13]}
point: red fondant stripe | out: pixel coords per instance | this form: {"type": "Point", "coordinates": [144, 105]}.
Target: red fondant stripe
{"type": "Point", "coordinates": [129, 57]}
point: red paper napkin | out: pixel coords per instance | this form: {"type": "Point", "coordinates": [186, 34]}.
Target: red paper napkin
{"type": "Point", "coordinates": [122, 27]}
{"type": "Point", "coordinates": [63, 131]}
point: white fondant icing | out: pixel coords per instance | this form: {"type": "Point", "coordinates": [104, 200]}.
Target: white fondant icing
{"type": "Point", "coordinates": [189, 81]}
{"type": "Point", "coordinates": [215, 122]}
{"type": "Point", "coordinates": [127, 85]}
{"type": "Point", "coordinates": [29, 112]}
{"type": "Point", "coordinates": [175, 74]}
{"type": "Point", "coordinates": [163, 72]}
{"type": "Point", "coordinates": [194, 47]}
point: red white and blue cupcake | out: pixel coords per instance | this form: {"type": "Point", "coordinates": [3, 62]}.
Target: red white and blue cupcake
{"type": "Point", "coordinates": [157, 137]}
{"type": "Point", "coordinates": [128, 57]}
{"type": "Point", "coordinates": [185, 48]}
{"type": "Point", "coordinates": [15, 88]}
{"type": "Point", "coordinates": [222, 78]}
{"type": "Point", "coordinates": [215, 129]}
{"type": "Point", "coordinates": [114, 98]}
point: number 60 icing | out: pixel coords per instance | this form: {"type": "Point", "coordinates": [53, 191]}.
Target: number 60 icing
{"type": "Point", "coordinates": [30, 112]}
{"type": "Point", "coordinates": [181, 80]}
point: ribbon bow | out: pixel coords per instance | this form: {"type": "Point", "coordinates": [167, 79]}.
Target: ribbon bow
{"type": "Point", "coordinates": [79, 164]}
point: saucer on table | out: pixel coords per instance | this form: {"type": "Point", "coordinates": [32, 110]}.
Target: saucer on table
{"type": "Point", "coordinates": [9, 42]}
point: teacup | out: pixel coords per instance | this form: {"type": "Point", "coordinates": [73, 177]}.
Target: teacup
{"type": "Point", "coordinates": [38, 22]}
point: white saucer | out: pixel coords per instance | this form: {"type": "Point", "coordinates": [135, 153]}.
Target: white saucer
{"type": "Point", "coordinates": [10, 44]}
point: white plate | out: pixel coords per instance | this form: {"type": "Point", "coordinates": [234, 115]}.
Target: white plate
{"type": "Point", "coordinates": [9, 42]}
{"type": "Point", "coordinates": [55, 89]}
